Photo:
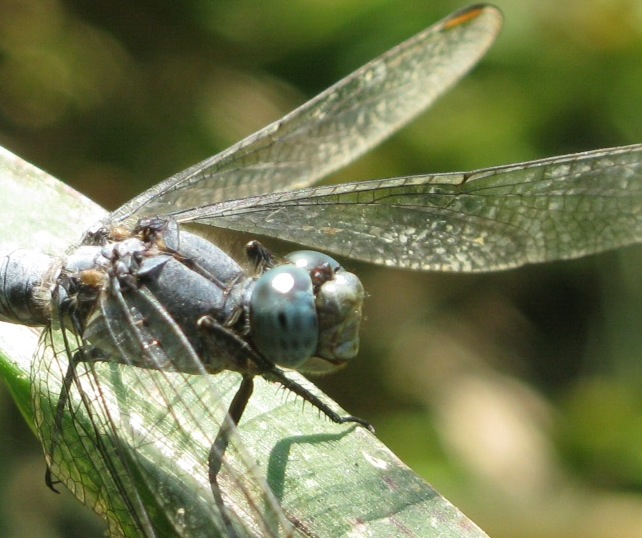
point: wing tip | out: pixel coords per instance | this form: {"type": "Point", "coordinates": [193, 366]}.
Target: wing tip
{"type": "Point", "coordinates": [469, 14]}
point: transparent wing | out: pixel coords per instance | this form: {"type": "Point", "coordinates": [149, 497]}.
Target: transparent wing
{"type": "Point", "coordinates": [79, 460]}
{"type": "Point", "coordinates": [490, 219]}
{"type": "Point", "coordinates": [135, 441]}
{"type": "Point", "coordinates": [335, 127]}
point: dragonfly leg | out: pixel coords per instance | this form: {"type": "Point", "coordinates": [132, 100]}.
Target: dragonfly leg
{"type": "Point", "coordinates": [69, 378]}
{"type": "Point", "coordinates": [239, 353]}
{"type": "Point", "coordinates": [230, 350]}
{"type": "Point", "coordinates": [163, 233]}
{"type": "Point", "coordinates": [278, 376]}
{"type": "Point", "coordinates": [259, 256]}
{"type": "Point", "coordinates": [219, 447]}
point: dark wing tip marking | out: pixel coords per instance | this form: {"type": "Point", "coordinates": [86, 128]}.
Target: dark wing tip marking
{"type": "Point", "coordinates": [467, 15]}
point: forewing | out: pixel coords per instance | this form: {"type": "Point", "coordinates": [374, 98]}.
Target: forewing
{"type": "Point", "coordinates": [487, 220]}
{"type": "Point", "coordinates": [337, 126]}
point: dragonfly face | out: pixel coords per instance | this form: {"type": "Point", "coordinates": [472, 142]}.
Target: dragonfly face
{"type": "Point", "coordinates": [477, 221]}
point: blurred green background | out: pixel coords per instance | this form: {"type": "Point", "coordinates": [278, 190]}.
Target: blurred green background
{"type": "Point", "coordinates": [517, 395]}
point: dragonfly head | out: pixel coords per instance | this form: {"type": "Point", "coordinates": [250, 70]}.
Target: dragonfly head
{"type": "Point", "coordinates": [305, 314]}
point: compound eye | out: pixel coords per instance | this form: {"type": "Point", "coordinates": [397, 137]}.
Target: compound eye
{"type": "Point", "coordinates": [283, 318]}
{"type": "Point", "coordinates": [309, 259]}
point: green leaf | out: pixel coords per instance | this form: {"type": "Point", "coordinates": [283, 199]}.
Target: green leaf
{"type": "Point", "coordinates": [149, 475]}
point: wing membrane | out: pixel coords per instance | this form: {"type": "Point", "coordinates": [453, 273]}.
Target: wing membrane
{"type": "Point", "coordinates": [145, 433]}
{"type": "Point", "coordinates": [81, 457]}
{"type": "Point", "coordinates": [335, 127]}
{"type": "Point", "coordinates": [485, 220]}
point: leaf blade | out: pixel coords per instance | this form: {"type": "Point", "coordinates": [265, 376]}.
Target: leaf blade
{"type": "Point", "coordinates": [311, 486]}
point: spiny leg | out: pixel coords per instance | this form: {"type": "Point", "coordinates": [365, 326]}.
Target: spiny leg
{"type": "Point", "coordinates": [270, 372]}
{"type": "Point", "coordinates": [237, 351]}
{"type": "Point", "coordinates": [278, 376]}
{"type": "Point", "coordinates": [219, 447]}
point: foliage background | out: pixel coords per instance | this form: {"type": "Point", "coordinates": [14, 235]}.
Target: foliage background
{"type": "Point", "coordinates": [518, 394]}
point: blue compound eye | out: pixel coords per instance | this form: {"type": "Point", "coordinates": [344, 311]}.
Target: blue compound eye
{"type": "Point", "coordinates": [309, 259]}
{"type": "Point", "coordinates": [283, 318]}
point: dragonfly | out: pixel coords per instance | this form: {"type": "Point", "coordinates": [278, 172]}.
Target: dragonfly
{"type": "Point", "coordinates": [104, 299]}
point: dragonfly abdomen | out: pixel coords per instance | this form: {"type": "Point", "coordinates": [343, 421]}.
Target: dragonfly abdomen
{"type": "Point", "coordinates": [25, 287]}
